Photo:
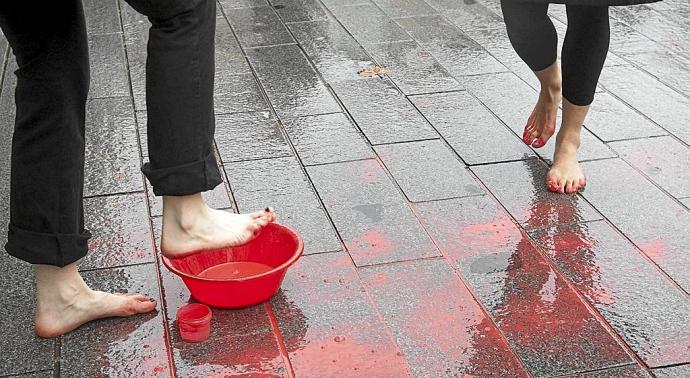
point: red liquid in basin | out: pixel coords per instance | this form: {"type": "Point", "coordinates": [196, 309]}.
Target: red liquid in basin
{"type": "Point", "coordinates": [234, 270]}
{"type": "Point", "coordinates": [240, 276]}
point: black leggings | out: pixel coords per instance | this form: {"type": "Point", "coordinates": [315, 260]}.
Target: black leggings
{"type": "Point", "coordinates": [50, 44]}
{"type": "Point", "coordinates": [586, 43]}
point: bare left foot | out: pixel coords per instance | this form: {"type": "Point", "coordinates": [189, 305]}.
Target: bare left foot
{"type": "Point", "coordinates": [64, 302]}
{"type": "Point", "coordinates": [566, 175]}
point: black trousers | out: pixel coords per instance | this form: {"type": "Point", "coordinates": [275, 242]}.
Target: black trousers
{"type": "Point", "coordinates": [585, 46]}
{"type": "Point", "coordinates": [47, 179]}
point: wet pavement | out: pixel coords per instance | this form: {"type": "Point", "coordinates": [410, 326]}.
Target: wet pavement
{"type": "Point", "coordinates": [431, 245]}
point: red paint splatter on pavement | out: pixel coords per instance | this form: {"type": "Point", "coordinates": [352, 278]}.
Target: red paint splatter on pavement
{"type": "Point", "coordinates": [373, 241]}
{"type": "Point", "coordinates": [654, 249]}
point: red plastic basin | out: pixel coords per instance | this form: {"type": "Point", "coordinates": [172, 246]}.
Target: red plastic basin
{"type": "Point", "coordinates": [277, 247]}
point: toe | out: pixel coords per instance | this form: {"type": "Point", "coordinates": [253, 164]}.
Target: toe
{"type": "Point", "coordinates": [141, 306]}
{"type": "Point", "coordinates": [569, 187]}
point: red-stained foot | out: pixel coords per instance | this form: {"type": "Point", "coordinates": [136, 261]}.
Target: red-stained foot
{"type": "Point", "coordinates": [189, 226]}
{"type": "Point", "coordinates": [65, 302]}
{"type": "Point", "coordinates": [541, 124]}
{"type": "Point", "coordinates": [566, 175]}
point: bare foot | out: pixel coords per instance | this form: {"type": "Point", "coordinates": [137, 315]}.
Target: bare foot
{"type": "Point", "coordinates": [65, 302]}
{"type": "Point", "coordinates": [189, 226]}
{"type": "Point", "coordinates": [541, 124]}
{"type": "Point", "coordinates": [566, 175]}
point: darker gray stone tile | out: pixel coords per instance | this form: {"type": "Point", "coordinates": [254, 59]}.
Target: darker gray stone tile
{"type": "Point", "coordinates": [281, 184]}
{"type": "Point", "coordinates": [229, 56]}
{"type": "Point", "coordinates": [112, 152]}
{"type": "Point", "coordinates": [121, 231]}
{"type": "Point", "coordinates": [341, 3]}
{"type": "Point", "coordinates": [453, 49]}
{"type": "Point", "coordinates": [667, 66]}
{"type": "Point", "coordinates": [382, 113]}
{"type": "Point", "coordinates": [328, 138]}
{"type": "Point", "coordinates": [368, 24]}
{"type": "Point", "coordinates": [299, 10]}
{"type": "Point", "coordinates": [108, 68]}
{"type": "Point", "coordinates": [521, 188]}
{"type": "Point", "coordinates": [474, 133]}
{"type": "Point", "coordinates": [373, 219]}
{"type": "Point", "coordinates": [653, 221]}
{"type": "Point", "coordinates": [650, 313]}
{"type": "Point", "coordinates": [628, 371]}
{"type": "Point", "coordinates": [412, 68]}
{"type": "Point", "coordinates": [334, 52]}
{"type": "Point", "coordinates": [663, 160]}
{"type": "Point", "coordinates": [249, 136]}
{"type": "Point", "coordinates": [130, 346]}
{"type": "Point", "coordinates": [610, 119]}
{"type": "Point", "coordinates": [136, 31]}
{"type": "Point", "coordinates": [427, 171]}
{"type": "Point", "coordinates": [102, 17]}
{"type": "Point", "coordinates": [258, 26]}
{"type": "Point", "coordinates": [668, 108]}
{"type": "Point", "coordinates": [290, 82]}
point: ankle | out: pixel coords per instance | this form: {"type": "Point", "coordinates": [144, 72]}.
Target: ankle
{"type": "Point", "coordinates": [59, 285]}
{"type": "Point", "coordinates": [184, 211]}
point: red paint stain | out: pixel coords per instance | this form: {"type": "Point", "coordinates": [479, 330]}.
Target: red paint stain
{"type": "Point", "coordinates": [373, 241]}
{"type": "Point", "coordinates": [654, 249]}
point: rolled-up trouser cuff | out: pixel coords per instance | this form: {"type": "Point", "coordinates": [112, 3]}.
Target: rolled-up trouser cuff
{"type": "Point", "coordinates": [48, 249]}
{"type": "Point", "coordinates": [185, 179]}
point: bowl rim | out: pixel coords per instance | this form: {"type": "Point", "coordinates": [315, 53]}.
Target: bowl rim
{"type": "Point", "coordinates": [283, 266]}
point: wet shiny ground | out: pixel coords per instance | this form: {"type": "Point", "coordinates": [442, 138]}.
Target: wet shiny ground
{"type": "Point", "coordinates": [432, 248]}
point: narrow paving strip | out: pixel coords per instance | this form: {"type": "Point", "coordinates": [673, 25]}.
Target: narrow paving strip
{"type": "Point", "coordinates": [432, 247]}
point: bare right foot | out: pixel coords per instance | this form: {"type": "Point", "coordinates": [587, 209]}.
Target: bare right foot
{"type": "Point", "coordinates": [65, 302]}
{"type": "Point", "coordinates": [541, 124]}
{"type": "Point", "coordinates": [190, 226]}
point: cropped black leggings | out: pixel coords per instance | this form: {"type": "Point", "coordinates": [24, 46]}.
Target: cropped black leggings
{"type": "Point", "coordinates": [586, 43]}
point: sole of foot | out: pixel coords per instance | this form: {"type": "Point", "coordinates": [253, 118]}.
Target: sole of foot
{"type": "Point", "coordinates": [210, 229]}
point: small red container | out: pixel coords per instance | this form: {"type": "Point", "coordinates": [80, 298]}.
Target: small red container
{"type": "Point", "coordinates": [194, 321]}
{"type": "Point", "coordinates": [277, 247]}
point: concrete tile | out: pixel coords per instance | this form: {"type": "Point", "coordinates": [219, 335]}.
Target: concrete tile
{"type": "Point", "coordinates": [237, 93]}
{"type": "Point", "coordinates": [259, 26]}
{"type": "Point", "coordinates": [653, 221]}
{"type": "Point", "coordinates": [673, 372]}
{"type": "Point", "coordinates": [663, 160]}
{"type": "Point", "coordinates": [102, 17]}
{"type": "Point", "coordinates": [281, 184]}
{"type": "Point", "coordinates": [405, 8]}
{"type": "Point", "coordinates": [121, 231]}
{"type": "Point", "coordinates": [249, 136]}
{"type": "Point", "coordinates": [329, 324]}
{"type": "Point", "coordinates": [668, 108]}
{"type": "Point", "coordinates": [230, 5]}
{"type": "Point", "coordinates": [300, 10]}
{"type": "Point", "coordinates": [440, 328]}
{"type": "Point", "coordinates": [610, 119]}
{"type": "Point", "coordinates": [428, 171]}
{"type": "Point", "coordinates": [521, 188]}
{"type": "Point", "coordinates": [336, 55]}
{"type": "Point", "coordinates": [327, 138]}
{"type": "Point", "coordinates": [112, 153]}
{"type": "Point", "coordinates": [649, 312]}
{"type": "Point", "coordinates": [340, 3]}
{"type": "Point", "coordinates": [544, 320]}
{"type": "Point", "coordinates": [474, 15]}
{"type": "Point", "coordinates": [382, 113]}
{"type": "Point", "coordinates": [136, 31]}
{"type": "Point", "coordinates": [467, 126]}
{"type": "Point", "coordinates": [290, 82]}
{"type": "Point", "coordinates": [667, 66]}
{"type": "Point", "coordinates": [453, 49]}
{"type": "Point", "coordinates": [119, 346]}
{"type": "Point", "coordinates": [108, 68]}
{"type": "Point", "coordinates": [372, 218]}
{"type": "Point", "coordinates": [628, 371]}
{"type": "Point", "coordinates": [412, 68]}
{"type": "Point", "coordinates": [368, 24]}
